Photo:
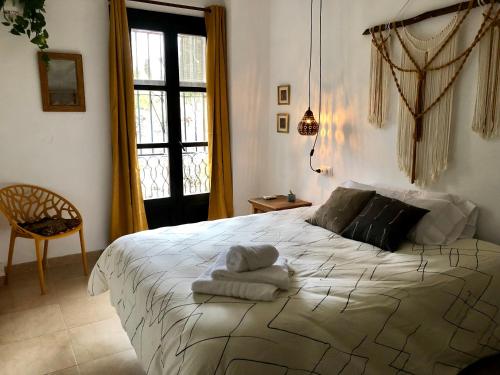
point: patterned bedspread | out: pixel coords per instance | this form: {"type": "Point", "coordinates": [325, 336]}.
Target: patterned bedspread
{"type": "Point", "coordinates": [353, 309]}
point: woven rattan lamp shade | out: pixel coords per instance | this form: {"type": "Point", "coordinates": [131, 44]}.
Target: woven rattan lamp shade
{"type": "Point", "coordinates": [308, 125]}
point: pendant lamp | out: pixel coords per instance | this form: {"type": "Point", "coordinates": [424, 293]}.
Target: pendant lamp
{"type": "Point", "coordinates": [308, 125]}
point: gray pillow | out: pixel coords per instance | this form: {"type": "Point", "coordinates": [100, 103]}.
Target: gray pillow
{"type": "Point", "coordinates": [384, 222]}
{"type": "Point", "coordinates": [341, 208]}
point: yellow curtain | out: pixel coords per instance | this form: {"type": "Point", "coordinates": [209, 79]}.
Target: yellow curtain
{"type": "Point", "coordinates": [127, 206]}
{"type": "Point", "coordinates": [219, 147]}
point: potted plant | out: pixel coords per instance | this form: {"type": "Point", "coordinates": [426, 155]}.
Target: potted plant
{"type": "Point", "coordinates": [291, 196]}
{"type": "Point", "coordinates": [27, 18]}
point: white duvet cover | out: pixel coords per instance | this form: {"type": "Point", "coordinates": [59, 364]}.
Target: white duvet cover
{"type": "Point", "coordinates": [352, 308]}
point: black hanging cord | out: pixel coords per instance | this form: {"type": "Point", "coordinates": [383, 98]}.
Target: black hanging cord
{"type": "Point", "coordinates": [320, 82]}
{"type": "Point", "coordinates": [310, 52]}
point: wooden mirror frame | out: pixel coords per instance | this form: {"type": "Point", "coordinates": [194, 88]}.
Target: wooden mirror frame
{"type": "Point", "coordinates": [44, 83]}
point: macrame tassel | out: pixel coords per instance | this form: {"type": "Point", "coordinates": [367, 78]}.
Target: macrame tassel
{"type": "Point", "coordinates": [486, 120]}
{"type": "Point", "coordinates": [379, 83]}
{"type": "Point", "coordinates": [432, 149]}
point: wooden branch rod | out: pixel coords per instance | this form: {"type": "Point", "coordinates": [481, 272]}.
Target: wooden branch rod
{"type": "Point", "coordinates": [430, 14]}
{"type": "Point", "coordinates": [172, 5]}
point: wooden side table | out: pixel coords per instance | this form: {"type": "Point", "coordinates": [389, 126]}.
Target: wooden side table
{"type": "Point", "coordinates": [279, 203]}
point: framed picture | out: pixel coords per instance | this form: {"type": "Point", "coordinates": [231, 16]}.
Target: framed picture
{"type": "Point", "coordinates": [282, 122]}
{"type": "Point", "coordinates": [283, 94]}
{"type": "Point", "coordinates": [61, 82]}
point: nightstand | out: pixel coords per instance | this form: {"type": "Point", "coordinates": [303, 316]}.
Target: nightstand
{"type": "Point", "coordinates": [279, 203]}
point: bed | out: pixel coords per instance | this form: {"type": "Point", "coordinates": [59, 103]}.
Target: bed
{"type": "Point", "coordinates": [352, 308]}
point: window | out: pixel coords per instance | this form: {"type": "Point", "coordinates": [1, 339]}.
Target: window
{"type": "Point", "coordinates": [151, 87]}
{"type": "Point", "coordinates": [151, 112]}
{"type": "Point", "coordinates": [193, 99]}
{"type": "Point", "coordinates": [168, 53]}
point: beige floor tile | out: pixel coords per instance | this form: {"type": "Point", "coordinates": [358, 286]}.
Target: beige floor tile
{"type": "Point", "coordinates": [30, 323]}
{"type": "Point", "coordinates": [23, 296]}
{"type": "Point", "coordinates": [34, 334]}
{"type": "Point", "coordinates": [25, 267]}
{"type": "Point", "coordinates": [67, 371]}
{"type": "Point", "coordinates": [80, 311]}
{"type": "Point", "coordinates": [65, 272]}
{"type": "Point", "coordinates": [72, 259]}
{"type": "Point", "coordinates": [23, 278]}
{"type": "Point", "coordinates": [41, 355]}
{"type": "Point", "coordinates": [96, 340]}
{"type": "Point", "coordinates": [124, 363]}
{"type": "Point", "coordinates": [70, 288]}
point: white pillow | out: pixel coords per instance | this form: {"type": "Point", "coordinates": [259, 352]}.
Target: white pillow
{"type": "Point", "coordinates": [471, 226]}
{"type": "Point", "coordinates": [382, 190]}
{"type": "Point", "coordinates": [468, 208]}
{"type": "Point", "coordinates": [442, 225]}
{"type": "Point", "coordinates": [449, 219]}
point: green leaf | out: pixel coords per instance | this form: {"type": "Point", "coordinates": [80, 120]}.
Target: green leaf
{"type": "Point", "coordinates": [31, 22]}
{"type": "Point", "coordinates": [19, 29]}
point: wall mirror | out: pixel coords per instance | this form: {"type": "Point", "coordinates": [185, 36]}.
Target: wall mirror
{"type": "Point", "coordinates": [61, 81]}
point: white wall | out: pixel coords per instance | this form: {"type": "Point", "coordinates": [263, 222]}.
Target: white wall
{"type": "Point", "coordinates": [350, 145]}
{"type": "Point", "coordinates": [66, 152]}
{"type": "Point", "coordinates": [248, 56]}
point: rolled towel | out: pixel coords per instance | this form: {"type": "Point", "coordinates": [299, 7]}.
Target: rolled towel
{"type": "Point", "coordinates": [250, 258]}
{"type": "Point", "coordinates": [278, 274]}
{"type": "Point", "coordinates": [252, 291]}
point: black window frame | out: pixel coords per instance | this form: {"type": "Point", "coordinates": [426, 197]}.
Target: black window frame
{"type": "Point", "coordinates": [171, 25]}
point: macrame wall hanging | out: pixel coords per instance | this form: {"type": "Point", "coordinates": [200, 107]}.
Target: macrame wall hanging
{"type": "Point", "coordinates": [425, 78]}
{"type": "Point", "coordinates": [487, 111]}
{"type": "Point", "coordinates": [379, 83]}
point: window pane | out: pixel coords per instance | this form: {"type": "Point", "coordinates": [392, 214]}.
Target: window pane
{"type": "Point", "coordinates": [195, 170]}
{"type": "Point", "coordinates": [151, 116]}
{"type": "Point", "coordinates": [155, 172]}
{"type": "Point", "coordinates": [194, 116]}
{"type": "Point", "coordinates": [148, 57]}
{"type": "Point", "coordinates": [192, 70]}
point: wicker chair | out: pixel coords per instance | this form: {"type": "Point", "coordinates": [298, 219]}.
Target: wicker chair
{"type": "Point", "coordinates": [32, 212]}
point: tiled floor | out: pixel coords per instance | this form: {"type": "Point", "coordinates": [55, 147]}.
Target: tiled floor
{"type": "Point", "coordinates": [65, 332]}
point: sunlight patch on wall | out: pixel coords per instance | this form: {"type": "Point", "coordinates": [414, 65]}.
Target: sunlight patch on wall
{"type": "Point", "coordinates": [337, 119]}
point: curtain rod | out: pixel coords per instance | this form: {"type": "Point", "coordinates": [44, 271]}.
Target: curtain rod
{"type": "Point", "coordinates": [172, 5]}
{"type": "Point", "coordinates": [430, 14]}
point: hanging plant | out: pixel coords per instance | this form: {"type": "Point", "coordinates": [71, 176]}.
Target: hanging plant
{"type": "Point", "coordinates": [31, 22]}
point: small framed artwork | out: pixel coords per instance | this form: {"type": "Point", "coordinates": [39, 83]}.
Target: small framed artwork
{"type": "Point", "coordinates": [282, 122]}
{"type": "Point", "coordinates": [283, 94]}
{"type": "Point", "coordinates": [61, 81]}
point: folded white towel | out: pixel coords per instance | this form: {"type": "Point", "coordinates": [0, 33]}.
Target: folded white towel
{"type": "Point", "coordinates": [250, 258]}
{"type": "Point", "coordinates": [278, 274]}
{"type": "Point", "coordinates": [252, 291]}
{"type": "Point", "coordinates": [237, 289]}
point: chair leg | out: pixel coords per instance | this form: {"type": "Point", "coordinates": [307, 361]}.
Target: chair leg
{"type": "Point", "coordinates": [39, 260]}
{"type": "Point", "coordinates": [45, 254]}
{"type": "Point", "coordinates": [84, 254]}
{"type": "Point", "coordinates": [8, 269]}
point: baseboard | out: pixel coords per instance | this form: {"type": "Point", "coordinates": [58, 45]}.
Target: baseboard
{"type": "Point", "coordinates": [65, 260]}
